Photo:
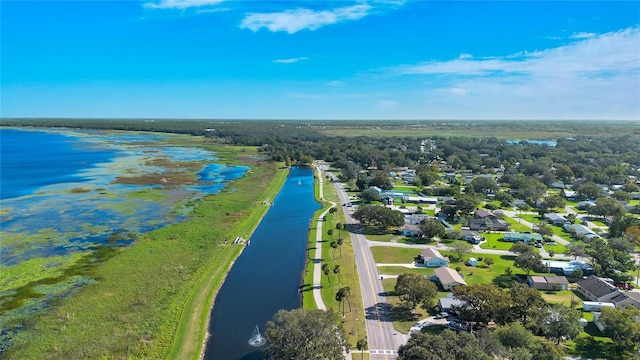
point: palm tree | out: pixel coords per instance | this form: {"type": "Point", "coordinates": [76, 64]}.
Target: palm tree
{"type": "Point", "coordinates": [334, 246]}
{"type": "Point", "coordinates": [336, 270]}
{"type": "Point", "coordinates": [327, 272]}
{"type": "Point", "coordinates": [340, 241]}
{"type": "Point", "coordinates": [361, 345]}
{"type": "Point", "coordinates": [330, 233]}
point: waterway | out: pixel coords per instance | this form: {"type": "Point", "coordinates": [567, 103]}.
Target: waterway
{"type": "Point", "coordinates": [268, 273]}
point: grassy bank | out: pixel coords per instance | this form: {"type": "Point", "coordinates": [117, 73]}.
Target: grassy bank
{"type": "Point", "coordinates": [353, 320]}
{"type": "Point", "coordinates": [152, 299]}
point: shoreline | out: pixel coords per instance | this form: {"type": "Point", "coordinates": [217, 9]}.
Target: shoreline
{"type": "Point", "coordinates": [165, 301]}
{"type": "Point", "coordinates": [271, 199]}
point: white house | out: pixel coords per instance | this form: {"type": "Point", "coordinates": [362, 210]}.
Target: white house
{"type": "Point", "coordinates": [448, 278]}
{"type": "Point", "coordinates": [433, 258]}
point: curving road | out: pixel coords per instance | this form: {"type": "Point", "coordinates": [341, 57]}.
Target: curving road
{"type": "Point", "coordinates": [382, 338]}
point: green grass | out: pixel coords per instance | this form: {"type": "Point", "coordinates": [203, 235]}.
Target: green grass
{"type": "Point", "coordinates": [146, 294]}
{"type": "Point", "coordinates": [353, 322]}
{"type": "Point", "coordinates": [394, 255]}
{"type": "Point", "coordinates": [516, 226]}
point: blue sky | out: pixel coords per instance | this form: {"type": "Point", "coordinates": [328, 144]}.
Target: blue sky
{"type": "Point", "coordinates": [378, 59]}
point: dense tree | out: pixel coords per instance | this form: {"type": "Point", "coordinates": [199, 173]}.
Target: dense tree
{"type": "Point", "coordinates": [431, 228]}
{"type": "Point", "coordinates": [622, 326]}
{"type": "Point", "coordinates": [444, 346]}
{"type": "Point", "coordinates": [589, 190]}
{"type": "Point", "coordinates": [465, 204]}
{"type": "Point", "coordinates": [554, 202]}
{"type": "Point", "coordinates": [607, 207]}
{"type": "Point", "coordinates": [621, 224]}
{"type": "Point", "coordinates": [529, 261]}
{"type": "Point", "coordinates": [505, 198]}
{"type": "Point", "coordinates": [483, 303]}
{"type": "Point", "coordinates": [633, 234]}
{"type": "Point", "coordinates": [575, 250]}
{"type": "Point", "coordinates": [520, 248]}
{"type": "Point", "coordinates": [561, 322]}
{"type": "Point", "coordinates": [461, 248]}
{"type": "Point", "coordinates": [370, 195]}
{"type": "Point", "coordinates": [621, 244]}
{"type": "Point", "coordinates": [515, 335]}
{"type": "Point", "coordinates": [610, 262]}
{"type": "Point", "coordinates": [379, 216]}
{"type": "Point", "coordinates": [414, 289]}
{"type": "Point", "coordinates": [483, 185]}
{"type": "Point", "coordinates": [526, 303]}
{"type": "Point", "coordinates": [305, 334]}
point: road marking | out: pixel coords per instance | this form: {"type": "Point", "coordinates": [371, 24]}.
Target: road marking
{"type": "Point", "coordinates": [371, 285]}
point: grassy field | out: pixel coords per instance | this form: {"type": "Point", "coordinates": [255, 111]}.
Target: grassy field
{"type": "Point", "coordinates": [353, 321]}
{"type": "Point", "coordinates": [154, 296]}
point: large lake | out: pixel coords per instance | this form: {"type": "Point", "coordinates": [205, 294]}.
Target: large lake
{"type": "Point", "coordinates": [65, 191]}
{"type": "Point", "coordinates": [267, 275]}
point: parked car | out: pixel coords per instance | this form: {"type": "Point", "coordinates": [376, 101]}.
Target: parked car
{"type": "Point", "coordinates": [442, 315]}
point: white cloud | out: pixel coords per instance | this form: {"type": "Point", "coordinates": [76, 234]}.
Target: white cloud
{"type": "Point", "coordinates": [290, 60]}
{"type": "Point", "coordinates": [583, 35]}
{"type": "Point", "coordinates": [299, 19]}
{"type": "Point", "coordinates": [181, 4]}
{"type": "Point", "coordinates": [611, 53]}
{"type": "Point", "coordinates": [595, 77]}
{"type": "Point", "coordinates": [335, 83]}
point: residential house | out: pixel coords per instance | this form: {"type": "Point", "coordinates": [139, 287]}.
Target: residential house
{"type": "Point", "coordinates": [570, 195]}
{"type": "Point", "coordinates": [555, 219]}
{"type": "Point", "coordinates": [622, 299]}
{"type": "Point", "coordinates": [415, 219]}
{"type": "Point", "coordinates": [488, 224]}
{"type": "Point", "coordinates": [433, 258]}
{"type": "Point", "coordinates": [448, 303]}
{"type": "Point", "coordinates": [596, 289]}
{"type": "Point", "coordinates": [484, 214]}
{"type": "Point", "coordinates": [596, 306]}
{"type": "Point", "coordinates": [524, 237]}
{"type": "Point", "coordinates": [585, 205]}
{"type": "Point", "coordinates": [410, 230]}
{"type": "Point", "coordinates": [448, 278]}
{"type": "Point", "coordinates": [579, 231]}
{"type": "Point", "coordinates": [567, 268]}
{"type": "Point", "coordinates": [555, 283]}
{"type": "Point", "coordinates": [471, 237]}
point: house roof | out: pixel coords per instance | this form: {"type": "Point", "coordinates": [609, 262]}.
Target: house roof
{"type": "Point", "coordinates": [554, 216]}
{"type": "Point", "coordinates": [557, 280]}
{"type": "Point", "coordinates": [523, 236]}
{"type": "Point", "coordinates": [448, 302]}
{"type": "Point", "coordinates": [481, 214]}
{"type": "Point", "coordinates": [429, 254]}
{"type": "Point", "coordinates": [448, 276]}
{"type": "Point", "coordinates": [596, 286]}
{"type": "Point", "coordinates": [538, 279]}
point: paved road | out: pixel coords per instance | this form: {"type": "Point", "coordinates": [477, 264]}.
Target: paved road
{"type": "Point", "coordinates": [382, 338]}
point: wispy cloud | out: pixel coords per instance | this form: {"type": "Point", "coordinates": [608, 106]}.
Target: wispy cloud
{"type": "Point", "coordinates": [306, 96]}
{"type": "Point", "coordinates": [299, 19]}
{"type": "Point", "coordinates": [610, 53]}
{"type": "Point", "coordinates": [583, 35]}
{"type": "Point", "coordinates": [591, 77]}
{"type": "Point", "coordinates": [180, 4]}
{"type": "Point", "coordinates": [290, 60]}
{"type": "Point", "coordinates": [335, 83]}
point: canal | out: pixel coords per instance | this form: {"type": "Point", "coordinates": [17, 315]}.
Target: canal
{"type": "Point", "coordinates": [266, 276]}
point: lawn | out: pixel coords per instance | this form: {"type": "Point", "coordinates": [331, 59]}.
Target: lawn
{"type": "Point", "coordinates": [516, 226]}
{"type": "Point", "coordinates": [394, 255]}
{"type": "Point", "coordinates": [494, 241]}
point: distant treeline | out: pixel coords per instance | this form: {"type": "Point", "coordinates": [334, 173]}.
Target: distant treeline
{"type": "Point", "coordinates": [602, 152]}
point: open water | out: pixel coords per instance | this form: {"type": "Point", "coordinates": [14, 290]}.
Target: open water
{"type": "Point", "coordinates": [267, 275]}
